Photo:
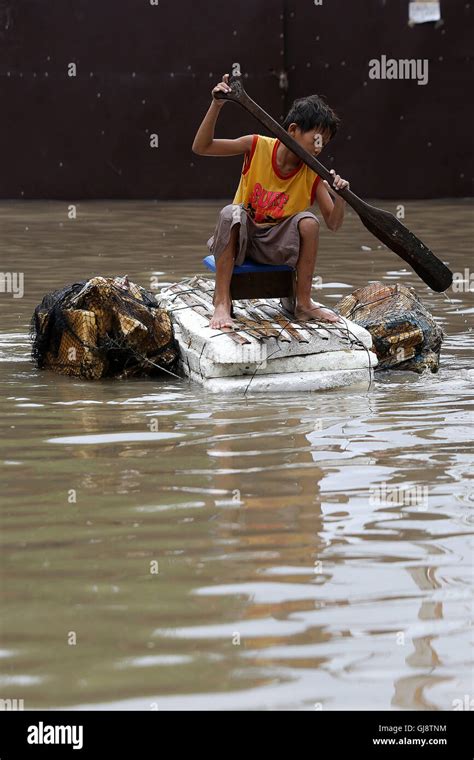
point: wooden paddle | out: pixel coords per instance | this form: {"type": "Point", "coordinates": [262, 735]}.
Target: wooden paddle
{"type": "Point", "coordinates": [384, 225]}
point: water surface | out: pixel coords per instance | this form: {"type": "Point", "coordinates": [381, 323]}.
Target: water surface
{"type": "Point", "coordinates": [167, 548]}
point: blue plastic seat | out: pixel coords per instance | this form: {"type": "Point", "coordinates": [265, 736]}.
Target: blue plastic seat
{"type": "Point", "coordinates": [249, 266]}
{"type": "Point", "coordinates": [252, 280]}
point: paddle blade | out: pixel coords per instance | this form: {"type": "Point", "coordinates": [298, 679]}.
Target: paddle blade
{"type": "Point", "coordinates": [390, 231]}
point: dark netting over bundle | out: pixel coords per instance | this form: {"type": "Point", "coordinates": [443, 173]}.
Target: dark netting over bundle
{"type": "Point", "coordinates": [103, 327]}
{"type": "Point", "coordinates": [404, 333]}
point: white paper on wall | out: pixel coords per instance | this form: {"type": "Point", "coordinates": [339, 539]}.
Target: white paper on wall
{"type": "Point", "coordinates": [420, 12]}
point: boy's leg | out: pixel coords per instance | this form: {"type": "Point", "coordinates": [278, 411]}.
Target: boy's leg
{"type": "Point", "coordinates": [224, 269]}
{"type": "Point", "coordinates": [305, 306]}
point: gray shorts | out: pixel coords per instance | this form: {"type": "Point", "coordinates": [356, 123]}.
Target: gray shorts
{"type": "Point", "coordinates": [276, 244]}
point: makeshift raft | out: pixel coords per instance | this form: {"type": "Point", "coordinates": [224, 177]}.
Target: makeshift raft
{"type": "Point", "coordinates": [268, 350]}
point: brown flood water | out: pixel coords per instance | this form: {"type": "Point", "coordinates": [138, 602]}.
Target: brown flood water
{"type": "Point", "coordinates": [283, 581]}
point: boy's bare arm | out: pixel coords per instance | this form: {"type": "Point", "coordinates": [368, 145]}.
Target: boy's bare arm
{"type": "Point", "coordinates": [332, 210]}
{"type": "Point", "coordinates": [204, 143]}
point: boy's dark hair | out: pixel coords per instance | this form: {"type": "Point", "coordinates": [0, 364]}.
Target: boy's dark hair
{"type": "Point", "coordinates": [311, 112]}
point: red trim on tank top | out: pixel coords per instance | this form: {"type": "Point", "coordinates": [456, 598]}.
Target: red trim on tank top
{"type": "Point", "coordinates": [313, 189]}
{"type": "Point", "coordinates": [249, 156]}
{"type": "Point", "coordinates": [275, 167]}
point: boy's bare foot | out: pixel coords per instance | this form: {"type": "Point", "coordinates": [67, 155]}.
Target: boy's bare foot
{"type": "Point", "coordinates": [221, 317]}
{"type": "Point", "coordinates": [304, 313]}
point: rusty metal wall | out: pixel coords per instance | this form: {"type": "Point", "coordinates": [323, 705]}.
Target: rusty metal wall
{"type": "Point", "coordinates": [146, 69]}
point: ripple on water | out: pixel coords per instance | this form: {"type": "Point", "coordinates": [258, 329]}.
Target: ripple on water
{"type": "Point", "coordinates": [114, 438]}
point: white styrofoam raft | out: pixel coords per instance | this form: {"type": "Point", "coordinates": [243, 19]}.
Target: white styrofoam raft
{"type": "Point", "coordinates": [325, 357]}
{"type": "Point", "coordinates": [265, 362]}
{"type": "Point", "coordinates": [285, 382]}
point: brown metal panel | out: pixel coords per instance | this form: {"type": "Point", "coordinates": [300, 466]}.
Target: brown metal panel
{"type": "Point", "coordinates": [141, 69]}
{"type": "Point", "coordinates": [398, 139]}
{"type": "Point", "coordinates": [146, 69]}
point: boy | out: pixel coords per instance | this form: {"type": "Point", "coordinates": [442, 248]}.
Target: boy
{"type": "Point", "coordinates": [268, 221]}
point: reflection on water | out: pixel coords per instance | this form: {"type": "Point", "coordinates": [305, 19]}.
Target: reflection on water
{"type": "Point", "coordinates": [166, 548]}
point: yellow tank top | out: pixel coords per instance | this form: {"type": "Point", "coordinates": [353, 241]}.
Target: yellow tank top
{"type": "Point", "coordinates": [267, 195]}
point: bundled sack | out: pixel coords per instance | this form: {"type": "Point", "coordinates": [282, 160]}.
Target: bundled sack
{"type": "Point", "coordinates": [405, 335]}
{"type": "Point", "coordinates": [103, 327]}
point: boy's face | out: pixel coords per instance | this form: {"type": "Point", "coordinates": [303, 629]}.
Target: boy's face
{"type": "Point", "coordinates": [314, 140]}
